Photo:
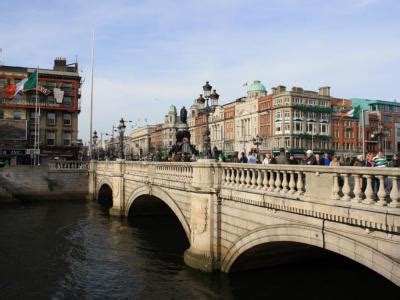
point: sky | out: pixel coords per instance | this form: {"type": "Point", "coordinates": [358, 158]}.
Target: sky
{"type": "Point", "coordinates": [151, 54]}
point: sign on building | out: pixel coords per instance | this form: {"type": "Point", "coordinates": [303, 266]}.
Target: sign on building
{"type": "Point", "coordinates": [13, 130]}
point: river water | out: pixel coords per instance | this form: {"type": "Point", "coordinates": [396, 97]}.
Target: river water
{"type": "Point", "coordinates": [75, 250]}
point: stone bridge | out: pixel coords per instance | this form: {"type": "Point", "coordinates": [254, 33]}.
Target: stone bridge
{"type": "Point", "coordinates": [228, 210]}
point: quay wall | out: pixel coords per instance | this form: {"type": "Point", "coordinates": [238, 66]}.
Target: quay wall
{"type": "Point", "coordinates": [31, 183]}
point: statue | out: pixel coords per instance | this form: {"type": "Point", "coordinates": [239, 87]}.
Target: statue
{"type": "Point", "coordinates": [183, 115]}
{"type": "Point", "coordinates": [183, 145]}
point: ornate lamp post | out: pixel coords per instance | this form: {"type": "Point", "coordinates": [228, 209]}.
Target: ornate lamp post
{"type": "Point", "coordinates": [257, 141]}
{"type": "Point", "coordinates": [121, 130]}
{"type": "Point", "coordinates": [206, 110]}
{"type": "Point", "coordinates": [94, 138]}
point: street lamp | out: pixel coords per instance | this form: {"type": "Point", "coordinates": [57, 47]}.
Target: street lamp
{"type": "Point", "coordinates": [257, 141]}
{"type": "Point", "coordinates": [94, 138]}
{"type": "Point", "coordinates": [121, 130]}
{"type": "Point", "coordinates": [206, 110]}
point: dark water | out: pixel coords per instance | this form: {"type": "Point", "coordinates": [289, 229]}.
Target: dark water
{"type": "Point", "coordinates": [73, 250]}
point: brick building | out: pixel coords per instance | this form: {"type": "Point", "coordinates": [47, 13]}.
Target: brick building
{"type": "Point", "coordinates": [59, 103]}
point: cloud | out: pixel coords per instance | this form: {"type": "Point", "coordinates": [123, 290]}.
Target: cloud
{"type": "Point", "coordinates": [166, 50]}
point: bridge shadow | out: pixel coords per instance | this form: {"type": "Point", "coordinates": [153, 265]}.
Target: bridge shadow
{"type": "Point", "coordinates": [158, 228]}
{"type": "Point", "coordinates": [105, 197]}
{"type": "Point", "coordinates": [270, 262]}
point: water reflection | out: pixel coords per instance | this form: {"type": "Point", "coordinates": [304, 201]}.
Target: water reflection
{"type": "Point", "coordinates": [73, 249]}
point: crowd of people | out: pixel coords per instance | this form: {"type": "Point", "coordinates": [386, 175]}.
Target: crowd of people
{"type": "Point", "coordinates": [309, 158]}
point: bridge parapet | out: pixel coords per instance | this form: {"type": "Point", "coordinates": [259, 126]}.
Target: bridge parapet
{"type": "Point", "coordinates": [367, 197]}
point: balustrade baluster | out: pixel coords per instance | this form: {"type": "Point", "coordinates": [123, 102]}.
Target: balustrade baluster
{"type": "Point", "coordinates": [259, 181]}
{"type": "Point", "coordinates": [223, 176]}
{"type": "Point", "coordinates": [300, 183]}
{"type": "Point", "coordinates": [346, 188]}
{"type": "Point", "coordinates": [242, 178]}
{"type": "Point", "coordinates": [265, 180]}
{"type": "Point", "coordinates": [382, 191]}
{"type": "Point", "coordinates": [237, 179]}
{"type": "Point", "coordinates": [271, 181]}
{"type": "Point", "coordinates": [247, 171]}
{"type": "Point", "coordinates": [357, 189]}
{"type": "Point", "coordinates": [253, 178]}
{"type": "Point", "coordinates": [394, 193]}
{"type": "Point", "coordinates": [369, 193]}
{"type": "Point", "coordinates": [292, 183]}
{"type": "Point", "coordinates": [232, 176]}
{"type": "Point", "coordinates": [278, 182]}
{"type": "Point", "coordinates": [284, 182]}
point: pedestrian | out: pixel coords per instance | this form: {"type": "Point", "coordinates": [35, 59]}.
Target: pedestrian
{"type": "Point", "coordinates": [310, 160]}
{"type": "Point", "coordinates": [380, 160]}
{"type": "Point", "coordinates": [282, 159]}
{"type": "Point", "coordinates": [251, 158]}
{"type": "Point", "coordinates": [326, 159]}
{"type": "Point", "coordinates": [335, 162]}
{"type": "Point", "coordinates": [292, 160]}
{"type": "Point", "coordinates": [318, 160]}
{"type": "Point", "coordinates": [243, 159]}
{"type": "Point", "coordinates": [266, 159]}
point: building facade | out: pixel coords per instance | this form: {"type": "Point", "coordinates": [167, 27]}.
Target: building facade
{"type": "Point", "coordinates": [300, 119]}
{"type": "Point", "coordinates": [246, 117]}
{"type": "Point", "coordinates": [139, 141]}
{"type": "Point", "coordinates": [58, 101]}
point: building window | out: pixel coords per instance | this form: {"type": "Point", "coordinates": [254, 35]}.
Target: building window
{"type": "Point", "coordinates": [67, 139]}
{"type": "Point", "coordinates": [31, 137]}
{"type": "Point", "coordinates": [298, 126]}
{"type": "Point", "coordinates": [298, 114]}
{"type": "Point", "coordinates": [323, 128]}
{"type": "Point", "coordinates": [310, 128]}
{"type": "Point", "coordinates": [32, 116]}
{"type": "Point", "coordinates": [17, 115]}
{"type": "Point", "coordinates": [67, 100]}
{"type": "Point", "coordinates": [287, 142]}
{"type": "Point", "coordinates": [67, 119]}
{"type": "Point", "coordinates": [51, 138]}
{"type": "Point", "coordinates": [287, 114]}
{"type": "Point", "coordinates": [278, 115]}
{"type": "Point", "coordinates": [51, 118]}
{"type": "Point", "coordinates": [278, 127]}
{"type": "Point", "coordinates": [287, 127]}
{"type": "Point", "coordinates": [312, 115]}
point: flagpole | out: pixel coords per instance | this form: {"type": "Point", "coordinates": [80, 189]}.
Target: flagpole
{"type": "Point", "coordinates": [35, 158]}
{"type": "Point", "coordinates": [91, 103]}
{"type": "Point", "coordinates": [363, 133]}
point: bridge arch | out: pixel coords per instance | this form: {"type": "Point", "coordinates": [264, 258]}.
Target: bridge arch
{"type": "Point", "coordinates": [345, 246]}
{"type": "Point", "coordinates": [164, 197]}
{"type": "Point", "coordinates": [105, 195]}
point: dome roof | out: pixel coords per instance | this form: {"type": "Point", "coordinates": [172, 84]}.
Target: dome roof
{"type": "Point", "coordinates": [172, 109]}
{"type": "Point", "coordinates": [257, 86]}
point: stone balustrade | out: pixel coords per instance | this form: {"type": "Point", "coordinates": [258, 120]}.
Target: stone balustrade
{"type": "Point", "coordinates": [71, 165]}
{"type": "Point", "coordinates": [355, 185]}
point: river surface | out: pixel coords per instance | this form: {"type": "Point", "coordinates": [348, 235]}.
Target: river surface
{"type": "Point", "coordinates": [75, 250]}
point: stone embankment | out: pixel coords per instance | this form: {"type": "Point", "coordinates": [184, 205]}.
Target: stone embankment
{"type": "Point", "coordinates": [53, 181]}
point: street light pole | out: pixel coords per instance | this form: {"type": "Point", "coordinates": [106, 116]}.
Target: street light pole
{"type": "Point", "coordinates": [94, 138]}
{"type": "Point", "coordinates": [207, 109]}
{"type": "Point", "coordinates": [121, 130]}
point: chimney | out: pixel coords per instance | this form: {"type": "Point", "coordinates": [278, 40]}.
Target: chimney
{"type": "Point", "coordinates": [60, 64]}
{"type": "Point", "coordinates": [273, 90]}
{"type": "Point", "coordinates": [324, 91]}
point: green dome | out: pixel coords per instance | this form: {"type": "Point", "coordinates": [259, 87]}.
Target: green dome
{"type": "Point", "coordinates": [172, 109]}
{"type": "Point", "coordinates": [257, 86]}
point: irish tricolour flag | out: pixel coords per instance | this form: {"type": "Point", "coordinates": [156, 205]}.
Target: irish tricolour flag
{"type": "Point", "coordinates": [29, 83]}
